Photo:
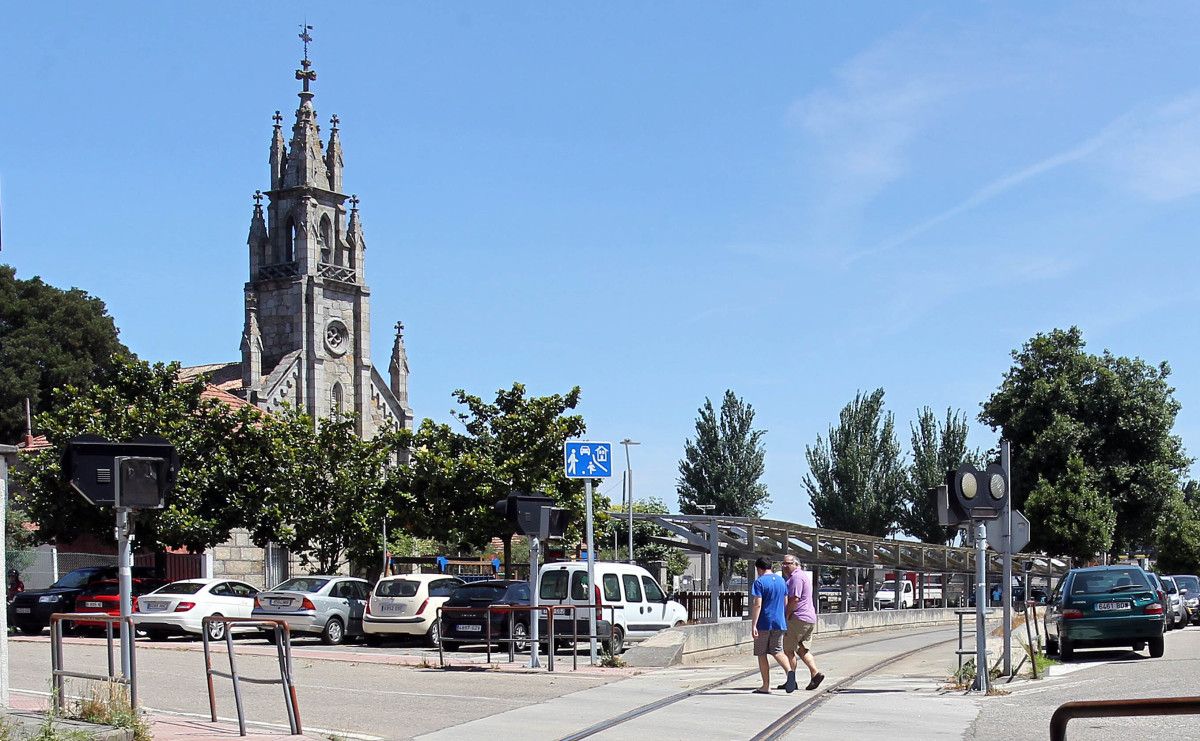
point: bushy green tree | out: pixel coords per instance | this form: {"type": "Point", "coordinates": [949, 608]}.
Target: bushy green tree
{"type": "Point", "coordinates": [856, 478]}
{"type": "Point", "coordinates": [1177, 535]}
{"type": "Point", "coordinates": [49, 339]}
{"type": "Point", "coordinates": [1116, 414]}
{"type": "Point", "coordinates": [723, 464]}
{"type": "Point", "coordinates": [1074, 519]}
{"type": "Point", "coordinates": [936, 448]}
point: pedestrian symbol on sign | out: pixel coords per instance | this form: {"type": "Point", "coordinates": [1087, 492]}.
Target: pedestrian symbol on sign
{"type": "Point", "coordinates": [587, 460]}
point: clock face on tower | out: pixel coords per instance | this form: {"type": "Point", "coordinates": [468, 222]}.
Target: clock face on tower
{"type": "Point", "coordinates": [337, 337]}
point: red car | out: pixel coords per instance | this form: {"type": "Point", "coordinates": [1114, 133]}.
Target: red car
{"type": "Point", "coordinates": [104, 597]}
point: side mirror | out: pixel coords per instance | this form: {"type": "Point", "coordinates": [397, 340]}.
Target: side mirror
{"type": "Point", "coordinates": [1183, 591]}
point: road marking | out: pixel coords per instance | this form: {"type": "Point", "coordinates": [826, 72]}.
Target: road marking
{"type": "Point", "coordinates": [409, 694]}
{"type": "Point", "coordinates": [255, 723]}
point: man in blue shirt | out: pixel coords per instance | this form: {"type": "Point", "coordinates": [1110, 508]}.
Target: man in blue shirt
{"type": "Point", "coordinates": [768, 624]}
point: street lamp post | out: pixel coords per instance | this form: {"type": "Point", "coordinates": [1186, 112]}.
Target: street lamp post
{"type": "Point", "coordinates": [629, 489]}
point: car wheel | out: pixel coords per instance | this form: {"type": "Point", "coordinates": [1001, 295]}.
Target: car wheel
{"type": "Point", "coordinates": [156, 635]}
{"type": "Point", "coordinates": [30, 630]}
{"type": "Point", "coordinates": [1139, 645]}
{"type": "Point", "coordinates": [334, 632]}
{"type": "Point", "coordinates": [1066, 651]}
{"type": "Point", "coordinates": [1051, 646]}
{"type": "Point", "coordinates": [269, 636]}
{"type": "Point", "coordinates": [520, 636]}
{"type": "Point", "coordinates": [450, 646]}
{"type": "Point", "coordinates": [616, 644]}
{"type": "Point", "coordinates": [216, 630]}
{"type": "Point", "coordinates": [434, 636]}
{"type": "Point", "coordinates": [1157, 647]}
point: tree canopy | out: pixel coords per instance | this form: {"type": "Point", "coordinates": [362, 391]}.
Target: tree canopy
{"type": "Point", "coordinates": [857, 479]}
{"type": "Point", "coordinates": [49, 338]}
{"type": "Point", "coordinates": [723, 464]}
{"type": "Point", "coordinates": [936, 448]}
{"type": "Point", "coordinates": [1073, 517]}
{"type": "Point", "coordinates": [1114, 414]}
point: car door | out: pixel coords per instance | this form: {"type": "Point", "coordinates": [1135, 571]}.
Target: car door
{"type": "Point", "coordinates": [243, 598]}
{"type": "Point", "coordinates": [655, 605]}
{"type": "Point", "coordinates": [1053, 612]}
{"type": "Point", "coordinates": [221, 601]}
{"type": "Point", "coordinates": [636, 622]}
{"type": "Point", "coordinates": [357, 594]}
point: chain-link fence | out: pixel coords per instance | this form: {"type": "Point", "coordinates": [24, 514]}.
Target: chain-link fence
{"type": "Point", "coordinates": [40, 567]}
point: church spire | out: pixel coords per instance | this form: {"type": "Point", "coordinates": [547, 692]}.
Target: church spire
{"type": "Point", "coordinates": [278, 152]}
{"type": "Point", "coordinates": [333, 156]}
{"type": "Point", "coordinates": [398, 369]}
{"type": "Point", "coordinates": [257, 241]}
{"type": "Point", "coordinates": [306, 160]}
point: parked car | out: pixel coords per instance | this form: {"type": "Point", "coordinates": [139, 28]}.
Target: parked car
{"type": "Point", "coordinates": [31, 610]}
{"type": "Point", "coordinates": [104, 597]}
{"type": "Point", "coordinates": [179, 608]}
{"type": "Point", "coordinates": [329, 606]}
{"type": "Point", "coordinates": [630, 603]}
{"type": "Point", "coordinates": [1161, 590]}
{"type": "Point", "coordinates": [1177, 608]}
{"type": "Point", "coordinates": [407, 605]}
{"type": "Point", "coordinates": [1104, 606]}
{"type": "Point", "coordinates": [460, 628]}
{"type": "Point", "coordinates": [1189, 591]}
{"type": "Point", "coordinates": [886, 595]}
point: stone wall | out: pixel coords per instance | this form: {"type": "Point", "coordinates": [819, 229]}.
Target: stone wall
{"type": "Point", "coordinates": [240, 559]}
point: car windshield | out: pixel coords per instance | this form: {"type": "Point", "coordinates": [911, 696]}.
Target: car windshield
{"type": "Point", "coordinates": [75, 579]}
{"type": "Point", "coordinates": [1111, 580]}
{"type": "Point", "coordinates": [1169, 583]}
{"type": "Point", "coordinates": [182, 587]}
{"type": "Point", "coordinates": [1190, 583]}
{"type": "Point", "coordinates": [305, 584]}
{"type": "Point", "coordinates": [517, 593]}
{"type": "Point", "coordinates": [397, 588]}
{"type": "Point", "coordinates": [490, 592]}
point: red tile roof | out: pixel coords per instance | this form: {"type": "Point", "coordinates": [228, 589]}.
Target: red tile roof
{"type": "Point", "coordinates": [33, 444]}
{"type": "Point", "coordinates": [218, 394]}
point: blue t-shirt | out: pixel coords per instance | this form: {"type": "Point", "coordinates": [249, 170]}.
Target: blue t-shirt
{"type": "Point", "coordinates": [773, 591]}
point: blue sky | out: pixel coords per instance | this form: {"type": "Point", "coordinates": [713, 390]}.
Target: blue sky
{"type": "Point", "coordinates": [653, 201]}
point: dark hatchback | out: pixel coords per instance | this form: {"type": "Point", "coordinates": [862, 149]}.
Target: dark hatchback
{"type": "Point", "coordinates": [30, 611]}
{"type": "Point", "coordinates": [470, 625]}
{"type": "Point", "coordinates": [1104, 606]}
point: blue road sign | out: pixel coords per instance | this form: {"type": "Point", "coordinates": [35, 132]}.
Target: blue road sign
{"type": "Point", "coordinates": [587, 460]}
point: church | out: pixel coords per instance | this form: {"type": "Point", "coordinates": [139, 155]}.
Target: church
{"type": "Point", "coordinates": [306, 340]}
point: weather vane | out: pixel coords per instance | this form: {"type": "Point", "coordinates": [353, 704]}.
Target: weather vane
{"type": "Point", "coordinates": [305, 37]}
{"type": "Point", "coordinates": [305, 74]}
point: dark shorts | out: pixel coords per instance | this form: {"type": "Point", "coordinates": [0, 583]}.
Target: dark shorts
{"type": "Point", "coordinates": [769, 642]}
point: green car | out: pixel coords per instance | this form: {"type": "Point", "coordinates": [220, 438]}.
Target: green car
{"type": "Point", "coordinates": [1104, 606]}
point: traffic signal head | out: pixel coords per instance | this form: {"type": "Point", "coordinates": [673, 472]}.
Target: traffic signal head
{"type": "Point", "coordinates": [142, 482]}
{"type": "Point", "coordinates": [99, 469]}
{"type": "Point", "coordinates": [977, 495]}
{"type": "Point", "coordinates": [533, 515]}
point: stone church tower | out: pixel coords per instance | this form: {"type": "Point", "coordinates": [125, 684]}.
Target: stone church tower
{"type": "Point", "coordinates": [307, 337]}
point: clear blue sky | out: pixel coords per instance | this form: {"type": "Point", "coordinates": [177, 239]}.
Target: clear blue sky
{"type": "Point", "coordinates": [654, 201]}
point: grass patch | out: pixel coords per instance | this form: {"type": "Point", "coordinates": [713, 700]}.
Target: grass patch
{"type": "Point", "coordinates": [108, 704]}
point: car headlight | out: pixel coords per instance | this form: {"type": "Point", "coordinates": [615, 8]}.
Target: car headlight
{"type": "Point", "coordinates": [1193, 602]}
{"type": "Point", "coordinates": [47, 598]}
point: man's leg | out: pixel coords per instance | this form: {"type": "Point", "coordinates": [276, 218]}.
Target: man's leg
{"type": "Point", "coordinates": [807, 657]}
{"type": "Point", "coordinates": [764, 668]}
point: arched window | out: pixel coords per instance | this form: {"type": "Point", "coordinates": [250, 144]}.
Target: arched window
{"type": "Point", "coordinates": [336, 399]}
{"type": "Point", "coordinates": [325, 236]}
{"type": "Point", "coordinates": [290, 236]}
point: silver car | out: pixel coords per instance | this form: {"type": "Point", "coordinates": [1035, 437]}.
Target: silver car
{"type": "Point", "coordinates": [328, 606]}
{"type": "Point", "coordinates": [1178, 607]}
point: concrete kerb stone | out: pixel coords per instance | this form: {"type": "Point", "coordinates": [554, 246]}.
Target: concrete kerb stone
{"type": "Point", "coordinates": [28, 723]}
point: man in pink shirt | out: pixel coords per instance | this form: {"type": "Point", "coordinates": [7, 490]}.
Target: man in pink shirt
{"type": "Point", "coordinates": [801, 619]}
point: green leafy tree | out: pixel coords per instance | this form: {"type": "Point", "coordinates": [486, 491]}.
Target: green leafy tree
{"type": "Point", "coordinates": [513, 443]}
{"type": "Point", "coordinates": [223, 457]}
{"type": "Point", "coordinates": [1116, 414]}
{"type": "Point", "coordinates": [1074, 519]}
{"type": "Point", "coordinates": [645, 550]}
{"type": "Point", "coordinates": [328, 490]}
{"type": "Point", "coordinates": [936, 448]}
{"type": "Point", "coordinates": [49, 339]}
{"type": "Point", "coordinates": [856, 480]}
{"type": "Point", "coordinates": [723, 464]}
{"type": "Point", "coordinates": [1177, 535]}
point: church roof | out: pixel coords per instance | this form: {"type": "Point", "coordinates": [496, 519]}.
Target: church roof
{"type": "Point", "coordinates": [217, 394]}
{"type": "Point", "coordinates": [224, 376]}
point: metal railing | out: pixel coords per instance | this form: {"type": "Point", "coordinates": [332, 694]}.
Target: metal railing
{"type": "Point", "coordinates": [699, 604]}
{"type": "Point", "coordinates": [1119, 709]}
{"type": "Point", "coordinates": [283, 649]}
{"type": "Point", "coordinates": [549, 638]}
{"type": "Point", "coordinates": [58, 673]}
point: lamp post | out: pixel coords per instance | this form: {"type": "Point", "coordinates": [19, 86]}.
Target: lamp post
{"type": "Point", "coordinates": [629, 489]}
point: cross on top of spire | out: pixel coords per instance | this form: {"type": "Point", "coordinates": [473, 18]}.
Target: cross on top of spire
{"type": "Point", "coordinates": [306, 74]}
{"type": "Point", "coordinates": [353, 203]}
{"type": "Point", "coordinates": [278, 119]}
{"type": "Point", "coordinates": [258, 196]}
{"type": "Point", "coordinates": [399, 330]}
{"type": "Point", "coordinates": [334, 121]}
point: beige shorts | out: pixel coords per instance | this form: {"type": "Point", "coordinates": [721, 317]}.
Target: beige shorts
{"type": "Point", "coordinates": [768, 643]}
{"type": "Point", "coordinates": [799, 633]}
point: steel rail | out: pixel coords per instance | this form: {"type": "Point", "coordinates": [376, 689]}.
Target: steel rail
{"type": "Point", "coordinates": [648, 708]}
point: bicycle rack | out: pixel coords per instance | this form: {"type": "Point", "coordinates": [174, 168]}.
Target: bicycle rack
{"type": "Point", "coordinates": [1118, 709]}
{"type": "Point", "coordinates": [283, 648]}
{"type": "Point", "coordinates": [58, 674]}
{"type": "Point", "coordinates": [548, 639]}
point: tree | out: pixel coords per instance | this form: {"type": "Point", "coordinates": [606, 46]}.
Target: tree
{"type": "Point", "coordinates": [856, 479]}
{"type": "Point", "coordinates": [1177, 534]}
{"type": "Point", "coordinates": [514, 443]}
{"type": "Point", "coordinates": [328, 490]}
{"type": "Point", "coordinates": [1074, 518]}
{"type": "Point", "coordinates": [645, 550]}
{"type": "Point", "coordinates": [723, 465]}
{"type": "Point", "coordinates": [1116, 414]}
{"type": "Point", "coordinates": [935, 449]}
{"type": "Point", "coordinates": [224, 457]}
{"type": "Point", "coordinates": [49, 338]}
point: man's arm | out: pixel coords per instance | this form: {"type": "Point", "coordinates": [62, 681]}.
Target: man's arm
{"type": "Point", "coordinates": [755, 609]}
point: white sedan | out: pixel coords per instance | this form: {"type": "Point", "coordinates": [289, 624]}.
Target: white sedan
{"type": "Point", "coordinates": [180, 607]}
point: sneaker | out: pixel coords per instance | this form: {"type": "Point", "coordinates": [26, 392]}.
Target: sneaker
{"type": "Point", "coordinates": [790, 685]}
{"type": "Point", "coordinates": [816, 681]}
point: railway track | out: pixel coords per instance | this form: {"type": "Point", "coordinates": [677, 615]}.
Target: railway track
{"type": "Point", "coordinates": [783, 724]}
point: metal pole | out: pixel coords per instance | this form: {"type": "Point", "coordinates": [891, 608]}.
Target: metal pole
{"type": "Point", "coordinates": [534, 599]}
{"type": "Point", "coordinates": [4, 575]}
{"type": "Point", "coordinates": [981, 658]}
{"type": "Point", "coordinates": [591, 569]}
{"type": "Point", "coordinates": [1006, 570]}
{"type": "Point", "coordinates": [629, 479]}
{"type": "Point", "coordinates": [125, 585]}
{"type": "Point", "coordinates": [714, 569]}
{"type": "Point", "coordinates": [385, 547]}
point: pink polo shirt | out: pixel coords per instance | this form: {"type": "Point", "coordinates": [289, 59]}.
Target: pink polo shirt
{"type": "Point", "coordinates": [800, 585]}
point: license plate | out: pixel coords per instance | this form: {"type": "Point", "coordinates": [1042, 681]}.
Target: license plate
{"type": "Point", "coordinates": [469, 628]}
{"type": "Point", "coordinates": [93, 604]}
{"type": "Point", "coordinates": [154, 605]}
{"type": "Point", "coordinates": [280, 602]}
{"type": "Point", "coordinates": [1111, 606]}
{"type": "Point", "coordinates": [24, 610]}
{"type": "Point", "coordinates": [393, 608]}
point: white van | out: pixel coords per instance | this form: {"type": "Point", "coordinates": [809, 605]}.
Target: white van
{"type": "Point", "coordinates": [631, 603]}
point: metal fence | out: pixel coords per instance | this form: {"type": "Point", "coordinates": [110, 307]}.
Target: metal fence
{"type": "Point", "coordinates": [699, 605]}
{"type": "Point", "coordinates": [40, 567]}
